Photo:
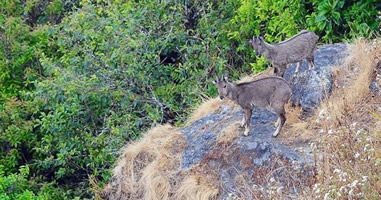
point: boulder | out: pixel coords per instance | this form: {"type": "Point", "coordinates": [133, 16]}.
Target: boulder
{"type": "Point", "coordinates": [309, 87]}
{"type": "Point", "coordinates": [260, 156]}
{"type": "Point", "coordinates": [211, 159]}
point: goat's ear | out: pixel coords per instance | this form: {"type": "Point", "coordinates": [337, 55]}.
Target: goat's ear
{"type": "Point", "coordinates": [225, 77]}
{"type": "Point", "coordinates": [215, 81]}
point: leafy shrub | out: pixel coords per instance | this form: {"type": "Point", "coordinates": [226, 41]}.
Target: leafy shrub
{"type": "Point", "coordinates": [335, 19]}
{"type": "Point", "coordinates": [72, 94]}
{"type": "Point", "coordinates": [117, 70]}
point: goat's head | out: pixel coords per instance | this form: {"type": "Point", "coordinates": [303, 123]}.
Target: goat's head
{"type": "Point", "coordinates": [258, 45]}
{"type": "Point", "coordinates": [222, 87]}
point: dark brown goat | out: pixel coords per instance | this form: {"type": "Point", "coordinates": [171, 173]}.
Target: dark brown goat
{"type": "Point", "coordinates": [273, 92]}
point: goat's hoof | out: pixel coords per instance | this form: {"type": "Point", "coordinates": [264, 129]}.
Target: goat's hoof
{"type": "Point", "coordinates": [276, 124]}
{"type": "Point", "coordinates": [275, 134]}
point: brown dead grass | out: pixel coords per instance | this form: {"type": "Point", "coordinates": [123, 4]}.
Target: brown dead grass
{"type": "Point", "coordinates": [348, 149]}
{"type": "Point", "coordinates": [352, 81]}
{"type": "Point", "coordinates": [209, 106]}
{"type": "Point", "coordinates": [196, 187]}
{"type": "Point", "coordinates": [148, 167]}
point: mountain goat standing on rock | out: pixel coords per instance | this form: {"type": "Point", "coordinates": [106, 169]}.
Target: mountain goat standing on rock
{"type": "Point", "coordinates": [294, 49]}
{"type": "Point", "coordinates": [273, 92]}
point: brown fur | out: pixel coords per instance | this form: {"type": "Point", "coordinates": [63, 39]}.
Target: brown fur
{"type": "Point", "coordinates": [271, 92]}
{"type": "Point", "coordinates": [292, 50]}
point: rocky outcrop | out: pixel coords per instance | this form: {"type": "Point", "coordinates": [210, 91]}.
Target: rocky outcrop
{"type": "Point", "coordinates": [262, 159]}
{"type": "Point", "coordinates": [309, 87]}
{"type": "Point", "coordinates": [211, 159]}
{"type": "Point", "coordinates": [260, 156]}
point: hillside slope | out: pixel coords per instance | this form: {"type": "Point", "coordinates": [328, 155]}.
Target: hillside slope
{"type": "Point", "coordinates": [329, 148]}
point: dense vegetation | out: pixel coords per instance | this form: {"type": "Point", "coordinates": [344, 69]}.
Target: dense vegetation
{"type": "Point", "coordinates": [80, 78]}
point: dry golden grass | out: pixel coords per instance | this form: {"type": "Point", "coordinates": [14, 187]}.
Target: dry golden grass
{"type": "Point", "coordinates": [349, 147]}
{"type": "Point", "coordinates": [197, 188]}
{"type": "Point", "coordinates": [352, 81]}
{"type": "Point", "coordinates": [349, 164]}
{"type": "Point", "coordinates": [209, 106]}
{"type": "Point", "coordinates": [148, 167]}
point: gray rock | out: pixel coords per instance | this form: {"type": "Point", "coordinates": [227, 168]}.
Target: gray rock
{"type": "Point", "coordinates": [245, 155]}
{"type": "Point", "coordinates": [309, 87]}
{"type": "Point", "coordinates": [375, 85]}
{"type": "Point", "coordinates": [251, 156]}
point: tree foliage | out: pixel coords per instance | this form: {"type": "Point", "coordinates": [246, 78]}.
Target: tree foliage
{"type": "Point", "coordinates": [82, 78]}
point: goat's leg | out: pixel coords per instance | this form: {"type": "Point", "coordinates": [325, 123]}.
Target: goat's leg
{"type": "Point", "coordinates": [279, 109]}
{"type": "Point", "coordinates": [243, 122]}
{"type": "Point", "coordinates": [297, 67]}
{"type": "Point", "coordinates": [277, 122]}
{"type": "Point", "coordinates": [312, 65]}
{"type": "Point", "coordinates": [281, 71]}
{"type": "Point", "coordinates": [281, 121]}
{"type": "Point", "coordinates": [276, 70]}
{"type": "Point", "coordinates": [311, 62]}
{"type": "Point", "coordinates": [248, 113]}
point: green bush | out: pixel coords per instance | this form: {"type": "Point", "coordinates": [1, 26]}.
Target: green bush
{"type": "Point", "coordinates": [107, 82]}
{"type": "Point", "coordinates": [16, 186]}
{"type": "Point", "coordinates": [334, 20]}
{"type": "Point", "coordinates": [75, 89]}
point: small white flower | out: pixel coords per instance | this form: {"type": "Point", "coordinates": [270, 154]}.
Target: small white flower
{"type": "Point", "coordinates": [357, 155]}
{"type": "Point", "coordinates": [279, 190]}
{"type": "Point", "coordinates": [354, 183]}
{"type": "Point", "coordinates": [337, 171]}
{"type": "Point", "coordinates": [350, 192]}
{"type": "Point", "coordinates": [365, 147]}
{"type": "Point", "coordinates": [322, 113]}
{"type": "Point", "coordinates": [326, 196]}
{"type": "Point", "coordinates": [317, 191]}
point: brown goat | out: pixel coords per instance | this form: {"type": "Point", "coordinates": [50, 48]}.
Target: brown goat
{"type": "Point", "coordinates": [293, 50]}
{"type": "Point", "coordinates": [273, 92]}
